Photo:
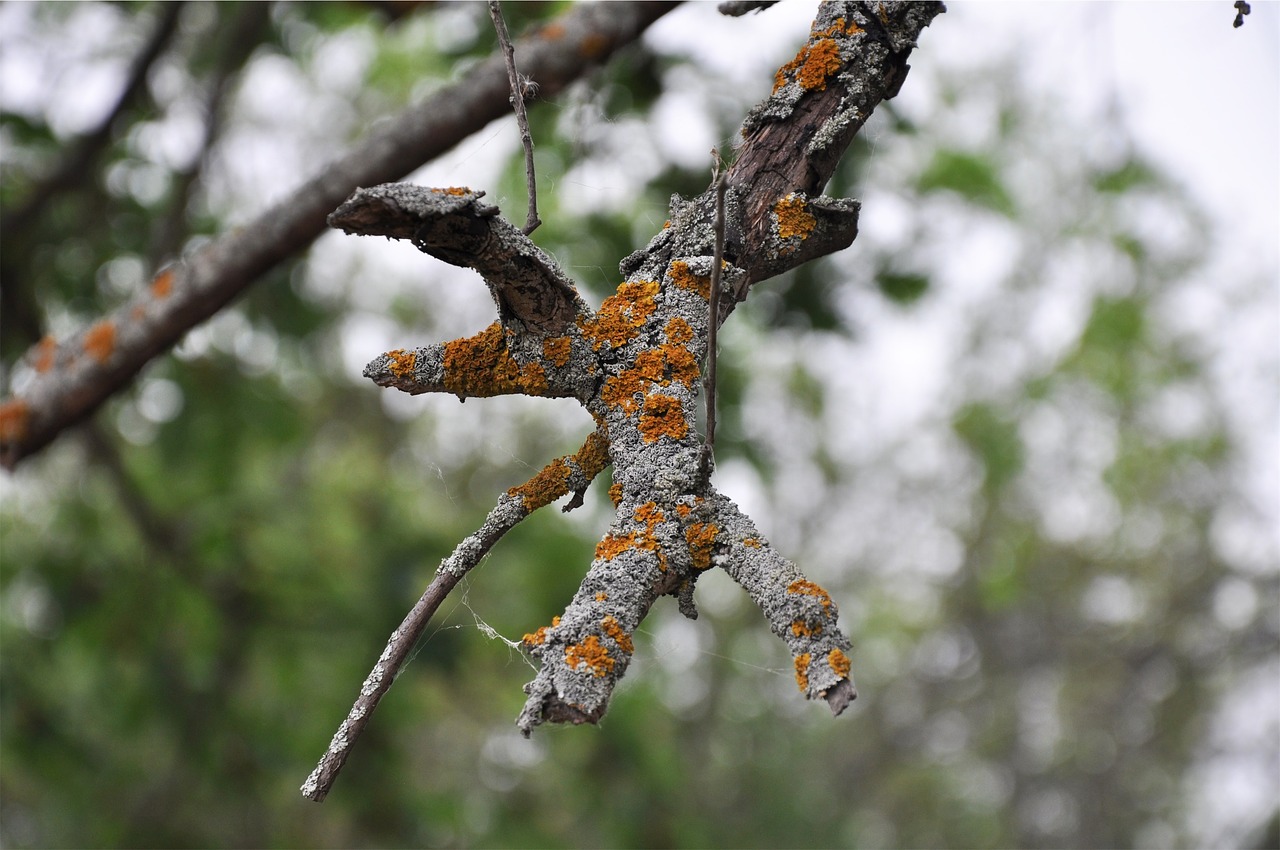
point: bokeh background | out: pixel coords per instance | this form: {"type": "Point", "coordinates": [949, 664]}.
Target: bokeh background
{"type": "Point", "coordinates": [1025, 431]}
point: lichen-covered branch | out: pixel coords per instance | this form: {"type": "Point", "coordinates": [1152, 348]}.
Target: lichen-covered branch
{"type": "Point", "coordinates": [634, 365]}
{"type": "Point", "coordinates": [61, 381]}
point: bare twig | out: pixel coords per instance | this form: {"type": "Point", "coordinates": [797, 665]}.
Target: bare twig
{"type": "Point", "coordinates": [713, 317]}
{"type": "Point", "coordinates": [518, 86]}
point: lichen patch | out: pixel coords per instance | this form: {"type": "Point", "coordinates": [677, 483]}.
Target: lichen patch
{"type": "Point", "coordinates": [481, 366]}
{"type": "Point", "coordinates": [839, 663]}
{"type": "Point", "coordinates": [793, 221]}
{"type": "Point", "coordinates": [701, 537]}
{"type": "Point", "coordinates": [804, 587]}
{"type": "Point", "coordinates": [621, 315]}
{"type": "Point", "coordinates": [556, 350]}
{"type": "Point", "coordinates": [682, 276]}
{"type": "Point", "coordinates": [100, 341]}
{"type": "Point", "coordinates": [402, 362]}
{"type": "Point", "coordinates": [661, 417]}
{"type": "Point", "coordinates": [802, 671]}
{"type": "Point", "coordinates": [46, 352]}
{"type": "Point", "coordinates": [591, 654]}
{"type": "Point", "coordinates": [14, 416]}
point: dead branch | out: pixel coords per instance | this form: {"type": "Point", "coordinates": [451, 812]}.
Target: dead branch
{"type": "Point", "coordinates": [633, 364]}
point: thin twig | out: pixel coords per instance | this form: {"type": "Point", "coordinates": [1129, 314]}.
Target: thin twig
{"type": "Point", "coordinates": [518, 86]}
{"type": "Point", "coordinates": [713, 318]}
{"type": "Point", "coordinates": [379, 681]}
{"type": "Point", "coordinates": [513, 506]}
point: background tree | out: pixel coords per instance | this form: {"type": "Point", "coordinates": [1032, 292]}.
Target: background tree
{"type": "Point", "coordinates": [1057, 584]}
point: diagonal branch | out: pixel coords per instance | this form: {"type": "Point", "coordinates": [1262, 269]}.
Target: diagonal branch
{"type": "Point", "coordinates": [569, 473]}
{"type": "Point", "coordinates": [66, 380]}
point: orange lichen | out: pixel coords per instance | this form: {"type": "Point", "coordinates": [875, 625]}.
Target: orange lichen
{"type": "Point", "coordinates": [539, 637]}
{"type": "Point", "coordinates": [402, 362]}
{"type": "Point", "coordinates": [753, 542]}
{"type": "Point", "coordinates": [621, 390]}
{"type": "Point", "coordinates": [614, 630]}
{"type": "Point", "coordinates": [684, 510]}
{"type": "Point", "coordinates": [590, 653]}
{"type": "Point", "coordinates": [480, 367]}
{"type": "Point", "coordinates": [804, 587]}
{"type": "Point", "coordinates": [813, 65]}
{"type": "Point", "coordinates": [100, 341]}
{"type": "Point", "coordinates": [44, 354]}
{"type": "Point", "coordinates": [593, 456]}
{"type": "Point", "coordinates": [613, 545]}
{"type": "Point", "coordinates": [556, 350]}
{"type": "Point", "coordinates": [681, 365]}
{"type": "Point", "coordinates": [545, 487]}
{"type": "Point", "coordinates": [601, 596]}
{"type": "Point", "coordinates": [839, 663]}
{"type": "Point", "coordinates": [593, 46]}
{"type": "Point", "coordinates": [553, 481]}
{"type": "Point", "coordinates": [14, 417]}
{"type": "Point", "coordinates": [802, 671]}
{"type": "Point", "coordinates": [452, 190]}
{"type": "Point", "coordinates": [678, 331]}
{"type": "Point", "coordinates": [800, 628]}
{"type": "Point", "coordinates": [621, 315]}
{"type": "Point", "coordinates": [661, 417]}
{"type": "Point", "coordinates": [839, 26]}
{"type": "Point", "coordinates": [653, 367]}
{"type": "Point", "coordinates": [682, 276]}
{"type": "Point", "coordinates": [162, 284]}
{"type": "Point", "coordinates": [553, 31]}
{"type": "Point", "coordinates": [615, 493]}
{"type": "Point", "coordinates": [650, 514]}
{"type": "Point", "coordinates": [794, 219]}
{"type": "Point", "coordinates": [701, 537]}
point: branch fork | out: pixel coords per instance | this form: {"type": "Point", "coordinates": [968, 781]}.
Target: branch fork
{"type": "Point", "coordinates": [634, 365]}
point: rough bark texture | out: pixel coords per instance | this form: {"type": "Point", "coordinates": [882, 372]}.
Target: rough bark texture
{"type": "Point", "coordinates": [634, 363]}
{"type": "Point", "coordinates": [59, 382]}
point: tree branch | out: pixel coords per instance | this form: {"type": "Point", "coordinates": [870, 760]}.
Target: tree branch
{"type": "Point", "coordinates": [633, 364]}
{"type": "Point", "coordinates": [569, 473]}
{"type": "Point", "coordinates": [455, 226]}
{"type": "Point", "coordinates": [62, 381]}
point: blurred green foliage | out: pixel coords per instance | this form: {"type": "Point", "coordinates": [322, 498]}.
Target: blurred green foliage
{"type": "Point", "coordinates": [195, 583]}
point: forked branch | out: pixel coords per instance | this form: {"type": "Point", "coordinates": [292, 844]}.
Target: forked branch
{"type": "Point", "coordinates": [634, 364]}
